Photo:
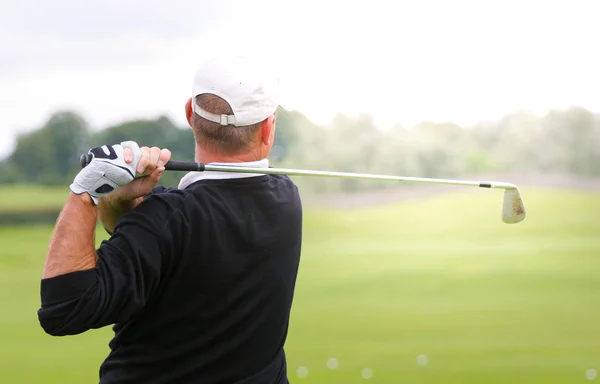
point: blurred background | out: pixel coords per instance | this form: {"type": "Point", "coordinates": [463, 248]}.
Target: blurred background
{"type": "Point", "coordinates": [398, 283]}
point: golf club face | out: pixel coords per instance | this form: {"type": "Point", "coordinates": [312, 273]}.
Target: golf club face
{"type": "Point", "coordinates": [513, 208]}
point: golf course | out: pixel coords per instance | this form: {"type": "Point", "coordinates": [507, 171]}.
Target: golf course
{"type": "Point", "coordinates": [434, 289]}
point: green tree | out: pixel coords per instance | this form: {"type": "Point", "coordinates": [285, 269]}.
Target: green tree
{"type": "Point", "coordinates": [286, 133]}
{"type": "Point", "coordinates": [442, 148]}
{"type": "Point", "coordinates": [50, 155]}
{"type": "Point", "coordinates": [569, 142]}
{"type": "Point", "coordinates": [69, 137]}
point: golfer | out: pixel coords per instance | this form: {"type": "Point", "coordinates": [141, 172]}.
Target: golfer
{"type": "Point", "coordinates": [198, 279]}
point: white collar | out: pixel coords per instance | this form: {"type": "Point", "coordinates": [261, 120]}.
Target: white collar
{"type": "Point", "coordinates": [193, 177]}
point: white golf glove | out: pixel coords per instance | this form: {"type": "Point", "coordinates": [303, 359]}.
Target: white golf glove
{"type": "Point", "coordinates": [107, 170]}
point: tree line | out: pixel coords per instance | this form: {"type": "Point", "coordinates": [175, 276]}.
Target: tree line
{"type": "Point", "coordinates": [566, 141]}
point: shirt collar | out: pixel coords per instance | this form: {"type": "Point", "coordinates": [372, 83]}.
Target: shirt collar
{"type": "Point", "coordinates": [192, 177]}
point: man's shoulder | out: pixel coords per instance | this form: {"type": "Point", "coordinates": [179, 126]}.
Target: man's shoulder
{"type": "Point", "coordinates": [284, 179]}
{"type": "Point", "coordinates": [163, 189]}
{"type": "Point", "coordinates": [169, 198]}
{"type": "Point", "coordinates": [169, 193]}
{"type": "Point", "coordinates": [161, 205]}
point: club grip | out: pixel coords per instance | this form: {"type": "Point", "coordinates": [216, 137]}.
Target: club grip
{"type": "Point", "coordinates": [188, 166]}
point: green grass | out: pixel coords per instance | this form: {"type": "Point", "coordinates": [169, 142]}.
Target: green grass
{"type": "Point", "coordinates": [486, 302]}
{"type": "Point", "coordinates": [21, 198]}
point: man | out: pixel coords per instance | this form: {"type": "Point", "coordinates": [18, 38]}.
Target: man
{"type": "Point", "coordinates": [197, 279]}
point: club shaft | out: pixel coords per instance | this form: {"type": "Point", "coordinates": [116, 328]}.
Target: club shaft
{"type": "Point", "coordinates": [200, 167]}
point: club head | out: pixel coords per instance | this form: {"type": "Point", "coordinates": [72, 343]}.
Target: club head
{"type": "Point", "coordinates": [513, 208]}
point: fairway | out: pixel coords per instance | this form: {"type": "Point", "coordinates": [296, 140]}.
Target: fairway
{"type": "Point", "coordinates": [31, 197]}
{"type": "Point", "coordinates": [435, 290]}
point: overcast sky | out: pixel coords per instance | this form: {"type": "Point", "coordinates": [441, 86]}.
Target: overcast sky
{"type": "Point", "coordinates": [401, 61]}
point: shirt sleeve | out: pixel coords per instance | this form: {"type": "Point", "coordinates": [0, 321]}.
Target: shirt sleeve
{"type": "Point", "coordinates": [128, 271]}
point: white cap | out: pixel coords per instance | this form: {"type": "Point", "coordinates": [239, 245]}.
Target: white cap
{"type": "Point", "coordinates": [249, 88]}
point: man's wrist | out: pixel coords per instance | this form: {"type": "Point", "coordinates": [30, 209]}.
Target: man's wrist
{"type": "Point", "coordinates": [85, 197]}
{"type": "Point", "coordinates": [111, 207]}
{"type": "Point", "coordinates": [116, 202]}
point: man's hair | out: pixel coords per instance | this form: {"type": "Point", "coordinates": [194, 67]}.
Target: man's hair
{"type": "Point", "coordinates": [226, 140]}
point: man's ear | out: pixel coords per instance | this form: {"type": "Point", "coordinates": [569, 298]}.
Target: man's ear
{"type": "Point", "coordinates": [267, 130]}
{"type": "Point", "coordinates": [188, 111]}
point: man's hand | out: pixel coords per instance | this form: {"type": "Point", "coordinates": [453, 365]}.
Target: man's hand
{"type": "Point", "coordinates": [125, 198]}
{"type": "Point", "coordinates": [150, 168]}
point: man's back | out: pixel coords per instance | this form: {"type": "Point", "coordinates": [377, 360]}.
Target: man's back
{"type": "Point", "coordinates": [220, 313]}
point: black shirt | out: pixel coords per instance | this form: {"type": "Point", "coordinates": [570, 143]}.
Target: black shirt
{"type": "Point", "coordinates": [198, 282]}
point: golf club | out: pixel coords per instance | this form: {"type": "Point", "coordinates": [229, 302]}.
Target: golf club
{"type": "Point", "coordinates": [513, 208]}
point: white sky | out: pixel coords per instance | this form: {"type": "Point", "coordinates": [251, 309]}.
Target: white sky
{"type": "Point", "coordinates": [401, 61]}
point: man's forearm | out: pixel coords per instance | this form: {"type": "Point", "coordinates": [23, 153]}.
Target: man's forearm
{"type": "Point", "coordinates": [111, 207]}
{"type": "Point", "coordinates": [72, 247]}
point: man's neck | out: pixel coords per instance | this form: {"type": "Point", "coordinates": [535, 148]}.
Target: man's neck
{"type": "Point", "coordinates": [206, 157]}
